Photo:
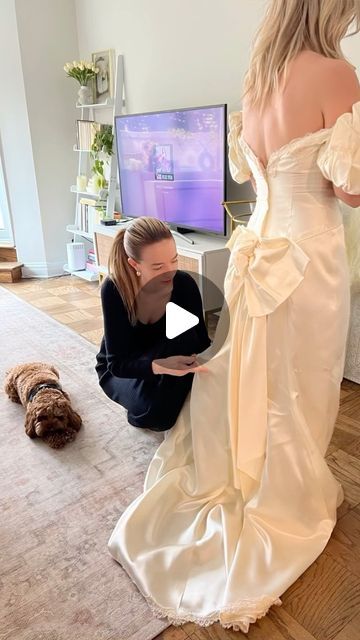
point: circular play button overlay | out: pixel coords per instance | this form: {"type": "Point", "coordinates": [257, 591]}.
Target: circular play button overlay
{"type": "Point", "coordinates": [172, 321]}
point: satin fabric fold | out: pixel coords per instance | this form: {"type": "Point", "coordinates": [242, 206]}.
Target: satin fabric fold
{"type": "Point", "coordinates": [339, 156]}
{"type": "Point", "coordinates": [238, 500]}
{"type": "Point", "coordinates": [269, 270]}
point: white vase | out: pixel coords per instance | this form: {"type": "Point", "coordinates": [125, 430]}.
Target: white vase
{"type": "Point", "coordinates": [85, 95]}
{"type": "Point", "coordinates": [92, 187]}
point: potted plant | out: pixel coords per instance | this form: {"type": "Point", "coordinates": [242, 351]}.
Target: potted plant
{"type": "Point", "coordinates": [98, 180]}
{"type": "Point", "coordinates": [103, 140]}
{"type": "Point", "coordinates": [82, 72]}
{"type": "Point", "coordinates": [101, 211]}
{"type": "Point", "coordinates": [102, 144]}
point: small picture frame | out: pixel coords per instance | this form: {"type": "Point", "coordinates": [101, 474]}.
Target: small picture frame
{"type": "Point", "coordinates": [103, 82]}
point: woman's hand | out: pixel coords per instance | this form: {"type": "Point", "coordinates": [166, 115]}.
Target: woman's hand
{"type": "Point", "coordinates": [177, 365]}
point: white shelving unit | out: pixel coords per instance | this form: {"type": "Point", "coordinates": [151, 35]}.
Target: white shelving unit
{"type": "Point", "coordinates": [105, 113]}
{"type": "Point", "coordinates": [85, 274]}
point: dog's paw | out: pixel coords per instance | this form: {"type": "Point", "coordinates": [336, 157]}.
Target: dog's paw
{"type": "Point", "coordinates": [58, 440]}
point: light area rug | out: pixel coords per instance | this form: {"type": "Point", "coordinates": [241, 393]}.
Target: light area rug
{"type": "Point", "coordinates": [59, 507]}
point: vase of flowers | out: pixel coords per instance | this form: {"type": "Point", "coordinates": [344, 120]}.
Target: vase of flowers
{"type": "Point", "coordinates": [82, 72]}
{"type": "Point", "coordinates": [85, 94]}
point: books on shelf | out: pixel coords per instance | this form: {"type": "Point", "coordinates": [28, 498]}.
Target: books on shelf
{"type": "Point", "coordinates": [87, 215]}
{"type": "Point", "coordinates": [90, 266]}
{"type": "Point", "coordinates": [91, 261]}
{"type": "Point", "coordinates": [86, 131]}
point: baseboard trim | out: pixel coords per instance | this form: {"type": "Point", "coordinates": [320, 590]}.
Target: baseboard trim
{"type": "Point", "coordinates": [43, 269]}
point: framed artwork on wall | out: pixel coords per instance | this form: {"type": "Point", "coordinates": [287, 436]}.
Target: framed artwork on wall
{"type": "Point", "coordinates": [103, 82]}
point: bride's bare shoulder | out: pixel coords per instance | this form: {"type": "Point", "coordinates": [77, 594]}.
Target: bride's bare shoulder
{"type": "Point", "coordinates": [330, 70]}
{"type": "Point", "coordinates": [333, 82]}
{"type": "Point", "coordinates": [339, 88]}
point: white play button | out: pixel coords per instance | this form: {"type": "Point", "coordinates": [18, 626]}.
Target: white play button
{"type": "Point", "coordinates": [178, 320]}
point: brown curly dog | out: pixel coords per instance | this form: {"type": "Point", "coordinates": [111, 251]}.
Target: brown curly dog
{"type": "Point", "coordinates": [49, 414]}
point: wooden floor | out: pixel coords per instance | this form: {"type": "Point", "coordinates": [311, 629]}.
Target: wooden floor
{"type": "Point", "coordinates": [324, 603]}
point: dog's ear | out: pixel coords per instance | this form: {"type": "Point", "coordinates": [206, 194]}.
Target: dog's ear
{"type": "Point", "coordinates": [8, 382]}
{"type": "Point", "coordinates": [54, 370]}
{"type": "Point", "coordinates": [74, 419]}
{"type": "Point", "coordinates": [30, 424]}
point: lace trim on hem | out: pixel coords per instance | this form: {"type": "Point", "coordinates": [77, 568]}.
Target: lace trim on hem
{"type": "Point", "coordinates": [241, 620]}
{"type": "Point", "coordinates": [244, 612]}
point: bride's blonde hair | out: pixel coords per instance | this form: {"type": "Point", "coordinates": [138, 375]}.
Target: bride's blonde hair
{"type": "Point", "coordinates": [288, 27]}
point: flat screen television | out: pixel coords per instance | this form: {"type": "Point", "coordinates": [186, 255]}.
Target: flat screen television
{"type": "Point", "coordinates": [172, 165]}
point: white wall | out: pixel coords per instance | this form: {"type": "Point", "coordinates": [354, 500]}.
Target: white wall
{"type": "Point", "coordinates": [37, 127]}
{"type": "Point", "coordinates": [177, 54]}
{"type": "Point", "coordinates": [48, 39]}
{"type": "Point", "coordinates": [181, 53]}
{"type": "Point", "coordinates": [351, 49]}
{"type": "Point", "coordinates": [17, 145]}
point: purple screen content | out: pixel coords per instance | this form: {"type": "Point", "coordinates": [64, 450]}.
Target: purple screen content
{"type": "Point", "coordinates": [172, 166]}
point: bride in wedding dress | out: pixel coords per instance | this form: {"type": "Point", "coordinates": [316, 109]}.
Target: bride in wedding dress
{"type": "Point", "coordinates": [238, 500]}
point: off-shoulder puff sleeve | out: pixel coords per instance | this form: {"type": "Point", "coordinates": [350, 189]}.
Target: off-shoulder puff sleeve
{"type": "Point", "coordinates": [339, 156]}
{"type": "Point", "coordinates": [239, 168]}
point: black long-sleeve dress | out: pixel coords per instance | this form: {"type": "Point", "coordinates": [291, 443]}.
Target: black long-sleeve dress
{"type": "Point", "coordinates": [123, 364]}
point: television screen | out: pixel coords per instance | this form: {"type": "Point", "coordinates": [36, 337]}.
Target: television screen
{"type": "Point", "coordinates": [172, 166]}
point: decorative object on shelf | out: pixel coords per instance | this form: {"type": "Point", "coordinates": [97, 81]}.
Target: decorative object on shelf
{"type": "Point", "coordinates": [96, 204]}
{"type": "Point", "coordinates": [85, 94]}
{"type": "Point", "coordinates": [82, 72]}
{"type": "Point", "coordinates": [102, 146]}
{"type": "Point", "coordinates": [101, 195]}
{"type": "Point", "coordinates": [101, 211]}
{"type": "Point", "coordinates": [103, 140]}
{"type": "Point", "coordinates": [97, 180]}
{"type": "Point", "coordinates": [86, 131]}
{"type": "Point", "coordinates": [81, 182]}
{"type": "Point", "coordinates": [103, 83]}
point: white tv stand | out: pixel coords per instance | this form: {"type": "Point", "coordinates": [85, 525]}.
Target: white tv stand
{"type": "Point", "coordinates": [207, 257]}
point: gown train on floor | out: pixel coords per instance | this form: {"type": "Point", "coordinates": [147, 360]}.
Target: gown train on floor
{"type": "Point", "coordinates": [238, 499]}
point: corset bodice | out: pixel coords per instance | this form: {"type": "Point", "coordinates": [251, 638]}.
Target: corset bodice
{"type": "Point", "coordinates": [294, 199]}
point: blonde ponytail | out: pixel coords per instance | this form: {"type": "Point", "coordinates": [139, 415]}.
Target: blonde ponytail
{"type": "Point", "coordinates": [128, 243]}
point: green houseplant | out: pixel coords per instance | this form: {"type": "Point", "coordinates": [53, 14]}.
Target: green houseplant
{"type": "Point", "coordinates": [102, 144]}
{"type": "Point", "coordinates": [103, 140]}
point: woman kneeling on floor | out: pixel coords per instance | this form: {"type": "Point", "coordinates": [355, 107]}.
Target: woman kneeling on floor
{"type": "Point", "coordinates": [137, 365]}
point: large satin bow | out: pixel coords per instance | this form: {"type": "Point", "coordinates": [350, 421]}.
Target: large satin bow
{"type": "Point", "coordinates": [262, 273]}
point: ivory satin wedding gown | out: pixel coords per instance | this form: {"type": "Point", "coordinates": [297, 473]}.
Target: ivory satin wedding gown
{"type": "Point", "coordinates": [238, 500]}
